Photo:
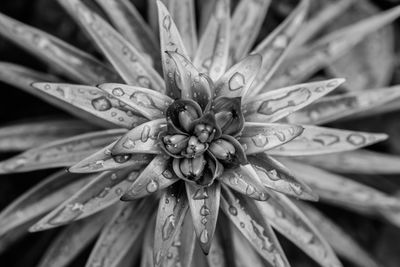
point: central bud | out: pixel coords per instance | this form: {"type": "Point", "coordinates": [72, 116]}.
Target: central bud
{"type": "Point", "coordinates": [198, 147]}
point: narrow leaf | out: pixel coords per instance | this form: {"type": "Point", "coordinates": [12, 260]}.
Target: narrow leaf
{"type": "Point", "coordinates": [60, 153]}
{"type": "Point", "coordinates": [216, 257]}
{"type": "Point", "coordinates": [244, 255]}
{"type": "Point", "coordinates": [259, 137]}
{"type": "Point", "coordinates": [213, 52]}
{"type": "Point", "coordinates": [204, 207]}
{"type": "Point", "coordinates": [320, 140]}
{"type": "Point", "coordinates": [102, 192]}
{"type": "Point", "coordinates": [277, 104]}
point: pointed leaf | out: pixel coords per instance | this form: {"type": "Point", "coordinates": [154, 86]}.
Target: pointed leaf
{"type": "Point", "coordinates": [126, 59]}
{"type": "Point", "coordinates": [102, 192]}
{"type": "Point", "coordinates": [156, 176]}
{"type": "Point", "coordinates": [320, 140]}
{"type": "Point", "coordinates": [285, 217]}
{"type": "Point", "coordinates": [204, 207]}
{"type": "Point", "coordinates": [244, 254]}
{"type": "Point", "coordinates": [170, 41]}
{"type": "Point", "coordinates": [277, 104]}
{"type": "Point", "coordinates": [40, 199]}
{"type": "Point", "coordinates": [72, 240]}
{"type": "Point", "coordinates": [238, 79]}
{"type": "Point", "coordinates": [141, 139]}
{"type": "Point", "coordinates": [332, 108]}
{"type": "Point", "coordinates": [275, 46]}
{"type": "Point", "coordinates": [148, 243]}
{"type": "Point", "coordinates": [67, 59]}
{"type": "Point", "coordinates": [276, 176]}
{"type": "Point", "coordinates": [186, 238]}
{"type": "Point", "coordinates": [259, 137]}
{"type": "Point", "coordinates": [358, 161]}
{"type": "Point", "coordinates": [93, 100]}
{"type": "Point", "coordinates": [9, 238]}
{"type": "Point", "coordinates": [171, 213]}
{"type": "Point", "coordinates": [245, 180]}
{"type": "Point", "coordinates": [120, 234]}
{"type": "Point", "coordinates": [146, 102]}
{"type": "Point", "coordinates": [24, 135]}
{"type": "Point", "coordinates": [247, 20]}
{"type": "Point", "coordinates": [213, 52]}
{"type": "Point", "coordinates": [340, 190]}
{"type": "Point", "coordinates": [262, 239]}
{"type": "Point", "coordinates": [60, 153]}
{"type": "Point", "coordinates": [340, 241]}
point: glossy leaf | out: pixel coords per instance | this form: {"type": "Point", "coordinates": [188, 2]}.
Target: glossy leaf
{"type": "Point", "coordinates": [94, 101]}
{"type": "Point", "coordinates": [247, 20]}
{"type": "Point", "coordinates": [244, 254]}
{"type": "Point", "coordinates": [277, 104]}
{"type": "Point", "coordinates": [204, 207]}
{"type": "Point", "coordinates": [213, 52]}
{"type": "Point", "coordinates": [262, 239]}
{"type": "Point", "coordinates": [60, 153]}
{"type": "Point", "coordinates": [340, 190]}
{"type": "Point", "coordinates": [68, 60]}
{"type": "Point", "coordinates": [333, 108]}
{"type": "Point", "coordinates": [141, 139]}
{"type": "Point", "coordinates": [38, 200]}
{"type": "Point", "coordinates": [319, 140]}
{"type": "Point", "coordinates": [259, 137]}
{"type": "Point", "coordinates": [157, 175]}
{"type": "Point", "coordinates": [245, 180]}
{"type": "Point", "coordinates": [216, 257]}
{"type": "Point", "coordinates": [276, 45]}
{"type": "Point", "coordinates": [126, 59]}
{"type": "Point", "coordinates": [146, 102]}
{"type": "Point", "coordinates": [170, 40]}
{"type": "Point", "coordinates": [276, 176]}
{"type": "Point", "coordinates": [102, 192]}
{"type": "Point", "coordinates": [237, 80]}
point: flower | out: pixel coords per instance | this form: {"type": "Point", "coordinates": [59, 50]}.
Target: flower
{"type": "Point", "coordinates": [202, 140]}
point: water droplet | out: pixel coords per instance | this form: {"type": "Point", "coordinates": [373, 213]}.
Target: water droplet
{"type": "Point", "coordinates": [260, 140]}
{"type": "Point", "coordinates": [356, 139]}
{"type": "Point", "coordinates": [101, 103]}
{"type": "Point", "coordinates": [281, 41]}
{"type": "Point", "coordinates": [273, 175]}
{"type": "Point", "coordinates": [233, 210]}
{"type": "Point", "coordinates": [201, 193]}
{"type": "Point", "coordinates": [122, 158]}
{"type": "Point", "coordinates": [144, 82]}
{"type": "Point", "coordinates": [104, 192]}
{"type": "Point", "coordinates": [118, 191]}
{"type": "Point", "coordinates": [204, 221]}
{"type": "Point", "coordinates": [242, 224]}
{"type": "Point", "coordinates": [141, 99]}
{"type": "Point", "coordinates": [204, 211]}
{"type": "Point", "coordinates": [167, 174]}
{"type": "Point", "coordinates": [66, 214]}
{"type": "Point", "coordinates": [129, 144]}
{"type": "Point", "coordinates": [114, 176]}
{"type": "Point", "coordinates": [281, 136]}
{"type": "Point", "coordinates": [167, 23]}
{"type": "Point", "coordinates": [326, 139]}
{"type": "Point", "coordinates": [118, 91]}
{"type": "Point", "coordinates": [296, 188]}
{"type": "Point", "coordinates": [236, 82]}
{"type": "Point", "coordinates": [145, 134]}
{"type": "Point", "coordinates": [152, 186]}
{"type": "Point", "coordinates": [250, 190]}
{"type": "Point", "coordinates": [204, 236]}
{"type": "Point", "coordinates": [168, 227]}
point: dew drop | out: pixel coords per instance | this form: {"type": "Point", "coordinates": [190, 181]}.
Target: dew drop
{"type": "Point", "coordinates": [204, 211]}
{"type": "Point", "coordinates": [122, 158]}
{"type": "Point", "coordinates": [167, 174]}
{"type": "Point", "coordinates": [104, 192]}
{"type": "Point", "coordinates": [167, 23]}
{"type": "Point", "coordinates": [236, 82]}
{"type": "Point", "coordinates": [101, 103]}
{"type": "Point", "coordinates": [129, 144]}
{"type": "Point", "coordinates": [118, 91]}
{"type": "Point", "coordinates": [66, 214]}
{"type": "Point", "coordinates": [201, 193]}
{"type": "Point", "coordinates": [242, 224]}
{"type": "Point", "coordinates": [250, 190]}
{"type": "Point", "coordinates": [296, 188]}
{"type": "Point", "coordinates": [141, 99]}
{"type": "Point", "coordinates": [356, 139]}
{"type": "Point", "coordinates": [204, 236]}
{"type": "Point", "coordinates": [168, 227]}
{"type": "Point", "coordinates": [145, 134]}
{"type": "Point", "coordinates": [273, 175]}
{"type": "Point", "coordinates": [118, 191]}
{"type": "Point", "coordinates": [260, 140]}
{"type": "Point", "coordinates": [232, 210]}
{"type": "Point", "coordinates": [152, 186]}
{"type": "Point", "coordinates": [204, 221]}
{"type": "Point", "coordinates": [281, 136]}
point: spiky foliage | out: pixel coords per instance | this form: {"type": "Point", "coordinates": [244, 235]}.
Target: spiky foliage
{"type": "Point", "coordinates": [215, 134]}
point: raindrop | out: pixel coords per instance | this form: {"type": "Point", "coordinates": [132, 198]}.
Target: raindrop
{"type": "Point", "coordinates": [118, 91]}
{"type": "Point", "coordinates": [167, 23]}
{"type": "Point", "coordinates": [273, 175]}
{"type": "Point", "coordinates": [356, 139]}
{"type": "Point", "coordinates": [101, 103]}
{"type": "Point", "coordinates": [201, 193]}
{"type": "Point", "coordinates": [152, 186]}
{"type": "Point", "coordinates": [242, 224]}
{"type": "Point", "coordinates": [281, 136]}
{"type": "Point", "coordinates": [122, 158]}
{"type": "Point", "coordinates": [167, 174]}
{"type": "Point", "coordinates": [141, 99]}
{"type": "Point", "coordinates": [260, 140]}
{"type": "Point", "coordinates": [204, 236]}
{"type": "Point", "coordinates": [118, 191]}
{"type": "Point", "coordinates": [144, 82]}
{"type": "Point", "coordinates": [66, 214]}
{"type": "Point", "coordinates": [204, 210]}
{"type": "Point", "coordinates": [296, 188]}
{"type": "Point", "coordinates": [281, 41]}
{"type": "Point", "coordinates": [145, 134]}
{"type": "Point", "coordinates": [168, 227]}
{"type": "Point", "coordinates": [104, 192]}
{"type": "Point", "coordinates": [250, 190]}
{"type": "Point", "coordinates": [129, 144]}
{"type": "Point", "coordinates": [204, 221]}
{"type": "Point", "coordinates": [236, 82]}
{"type": "Point", "coordinates": [232, 210]}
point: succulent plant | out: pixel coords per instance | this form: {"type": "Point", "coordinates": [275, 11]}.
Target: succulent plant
{"type": "Point", "coordinates": [230, 128]}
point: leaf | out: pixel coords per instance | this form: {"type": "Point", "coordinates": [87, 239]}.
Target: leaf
{"type": "Point", "coordinates": [170, 40]}
{"type": "Point", "coordinates": [332, 108]}
{"type": "Point", "coordinates": [126, 59]}
{"type": "Point", "coordinates": [9, 238]}
{"type": "Point", "coordinates": [156, 176]}
{"type": "Point", "coordinates": [170, 216]}
{"type": "Point", "coordinates": [146, 102]}
{"type": "Point", "coordinates": [148, 243]}
{"type": "Point", "coordinates": [94, 101]}
{"type": "Point", "coordinates": [72, 240]}
{"type": "Point", "coordinates": [258, 137]}
{"type": "Point", "coordinates": [23, 135]}
{"type": "Point", "coordinates": [247, 20]}
{"type": "Point", "coordinates": [245, 180]}
{"type": "Point", "coordinates": [183, 13]}
{"type": "Point", "coordinates": [340, 241]}
{"type": "Point", "coordinates": [244, 255]}
{"type": "Point", "coordinates": [213, 52]}
{"type": "Point", "coordinates": [276, 45]}
{"type": "Point", "coordinates": [103, 191]}
{"type": "Point", "coordinates": [120, 234]}
{"type": "Point", "coordinates": [277, 104]}
{"type": "Point", "coordinates": [306, 62]}
{"type": "Point", "coordinates": [141, 139]}
{"type": "Point", "coordinates": [262, 239]}
{"type": "Point", "coordinates": [339, 190]}
{"type": "Point", "coordinates": [357, 161]}
{"type": "Point", "coordinates": [204, 208]}
{"type": "Point", "coordinates": [276, 176]}
{"type": "Point", "coordinates": [66, 59]}
{"type": "Point", "coordinates": [60, 153]}
{"type": "Point", "coordinates": [237, 80]}
{"type": "Point", "coordinates": [132, 26]}
{"type": "Point", "coordinates": [285, 217]}
{"type": "Point", "coordinates": [39, 199]}
{"type": "Point", "coordinates": [320, 140]}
